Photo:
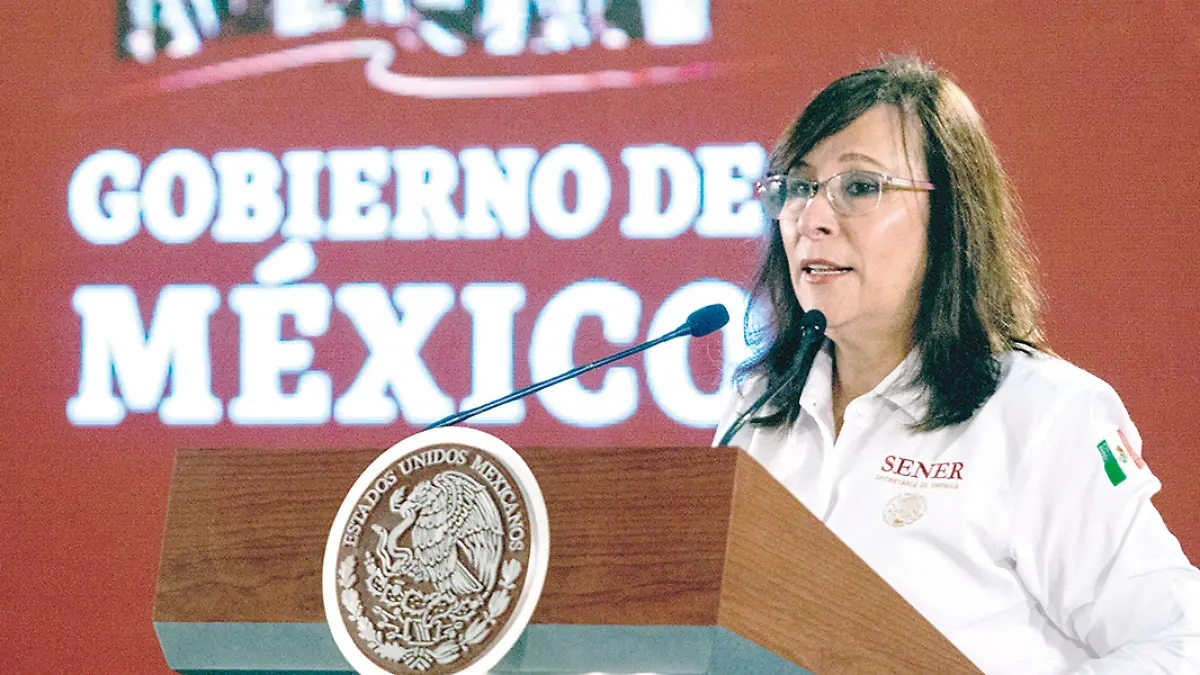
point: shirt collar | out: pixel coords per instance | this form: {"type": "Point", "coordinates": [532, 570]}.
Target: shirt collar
{"type": "Point", "coordinates": [818, 389]}
{"type": "Point", "coordinates": [904, 388]}
{"type": "Point", "coordinates": [901, 387]}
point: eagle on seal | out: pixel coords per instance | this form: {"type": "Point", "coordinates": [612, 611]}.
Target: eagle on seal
{"type": "Point", "coordinates": [457, 532]}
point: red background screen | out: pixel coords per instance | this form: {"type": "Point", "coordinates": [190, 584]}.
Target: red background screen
{"type": "Point", "coordinates": [1092, 110]}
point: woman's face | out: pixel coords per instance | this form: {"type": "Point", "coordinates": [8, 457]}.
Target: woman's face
{"type": "Point", "coordinates": [863, 272]}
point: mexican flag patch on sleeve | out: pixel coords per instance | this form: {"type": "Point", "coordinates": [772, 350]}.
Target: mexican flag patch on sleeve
{"type": "Point", "coordinates": [1120, 458]}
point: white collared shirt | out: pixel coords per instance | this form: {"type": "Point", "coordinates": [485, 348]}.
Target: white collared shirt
{"type": "Point", "coordinates": [1025, 535]}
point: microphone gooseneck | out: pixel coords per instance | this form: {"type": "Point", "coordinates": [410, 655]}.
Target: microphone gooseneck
{"type": "Point", "coordinates": [812, 334]}
{"type": "Point", "coordinates": [699, 323]}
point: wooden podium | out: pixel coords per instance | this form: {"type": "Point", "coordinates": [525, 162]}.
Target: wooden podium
{"type": "Point", "coordinates": [664, 560]}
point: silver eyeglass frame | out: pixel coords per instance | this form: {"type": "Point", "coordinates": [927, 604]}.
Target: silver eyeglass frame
{"type": "Point", "coordinates": [886, 183]}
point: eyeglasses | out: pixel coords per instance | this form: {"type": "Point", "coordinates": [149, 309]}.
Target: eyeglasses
{"type": "Point", "coordinates": [850, 193]}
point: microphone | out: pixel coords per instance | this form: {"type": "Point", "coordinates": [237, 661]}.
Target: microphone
{"type": "Point", "coordinates": [812, 334]}
{"type": "Point", "coordinates": [698, 324]}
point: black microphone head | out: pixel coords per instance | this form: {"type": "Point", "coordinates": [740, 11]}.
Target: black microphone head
{"type": "Point", "coordinates": [813, 320]}
{"type": "Point", "coordinates": [707, 319]}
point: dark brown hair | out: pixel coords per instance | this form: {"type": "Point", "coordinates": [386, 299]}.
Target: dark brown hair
{"type": "Point", "coordinates": [979, 297]}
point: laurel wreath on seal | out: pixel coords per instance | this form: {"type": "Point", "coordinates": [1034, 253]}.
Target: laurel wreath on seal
{"type": "Point", "coordinates": [447, 651]}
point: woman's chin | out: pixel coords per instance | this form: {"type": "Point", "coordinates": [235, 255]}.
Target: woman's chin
{"type": "Point", "coordinates": [831, 310]}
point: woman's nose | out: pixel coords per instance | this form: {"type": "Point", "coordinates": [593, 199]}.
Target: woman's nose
{"type": "Point", "coordinates": [817, 218]}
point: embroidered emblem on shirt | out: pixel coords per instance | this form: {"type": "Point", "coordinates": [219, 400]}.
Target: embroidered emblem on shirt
{"type": "Point", "coordinates": [1137, 458]}
{"type": "Point", "coordinates": [904, 509]}
{"type": "Point", "coordinates": [1120, 459]}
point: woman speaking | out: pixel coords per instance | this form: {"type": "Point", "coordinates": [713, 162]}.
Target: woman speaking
{"type": "Point", "coordinates": [999, 489]}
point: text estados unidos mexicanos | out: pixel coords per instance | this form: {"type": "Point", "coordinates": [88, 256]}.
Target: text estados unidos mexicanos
{"type": "Point", "coordinates": [508, 501]}
{"type": "Point", "coordinates": [366, 504]}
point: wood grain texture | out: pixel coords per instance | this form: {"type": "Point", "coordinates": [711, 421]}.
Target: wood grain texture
{"type": "Point", "coordinates": [246, 530]}
{"type": "Point", "coordinates": [794, 588]}
{"type": "Point", "coordinates": [637, 535]}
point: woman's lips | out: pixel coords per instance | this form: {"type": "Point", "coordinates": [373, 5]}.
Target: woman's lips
{"type": "Point", "coordinates": [822, 271]}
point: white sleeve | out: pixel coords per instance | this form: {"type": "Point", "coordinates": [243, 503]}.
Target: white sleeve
{"type": "Point", "coordinates": [1093, 551]}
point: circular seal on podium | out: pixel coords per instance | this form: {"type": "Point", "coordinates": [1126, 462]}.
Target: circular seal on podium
{"type": "Point", "coordinates": [437, 556]}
